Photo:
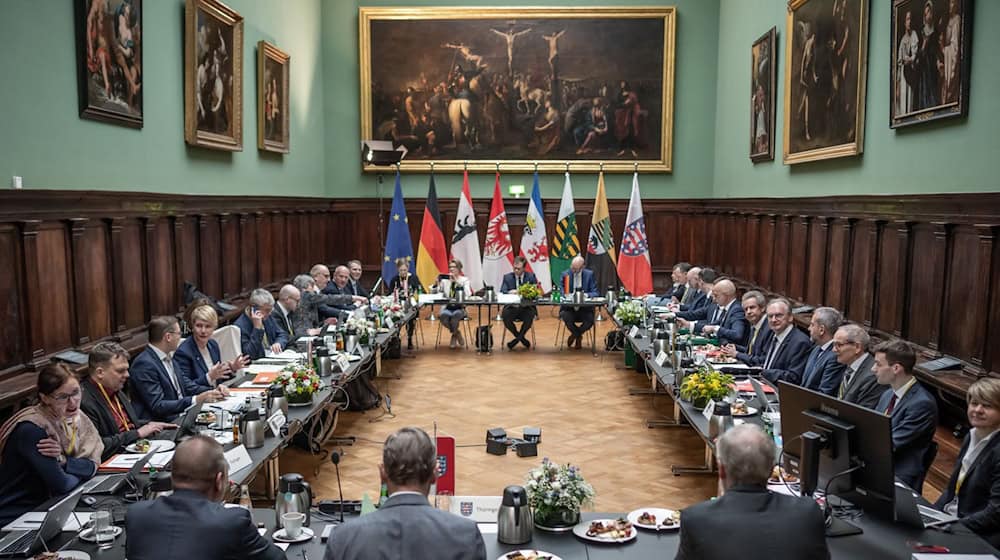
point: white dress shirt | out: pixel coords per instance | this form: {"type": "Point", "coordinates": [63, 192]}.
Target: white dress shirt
{"type": "Point", "coordinates": [168, 363]}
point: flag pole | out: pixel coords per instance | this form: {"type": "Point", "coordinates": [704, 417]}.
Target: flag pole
{"type": "Point", "coordinates": [432, 317]}
{"type": "Point", "coordinates": [600, 316]}
{"type": "Point", "coordinates": [498, 318]}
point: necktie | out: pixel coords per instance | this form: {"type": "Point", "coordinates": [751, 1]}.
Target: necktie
{"type": "Point", "coordinates": [517, 281]}
{"type": "Point", "coordinates": [753, 339]}
{"type": "Point", "coordinates": [354, 288]}
{"type": "Point", "coordinates": [715, 316]}
{"type": "Point", "coordinates": [169, 366]}
{"type": "Point", "coordinates": [687, 295]}
{"type": "Point", "coordinates": [892, 405]}
{"type": "Point", "coordinates": [848, 375]}
{"type": "Point", "coordinates": [774, 352]}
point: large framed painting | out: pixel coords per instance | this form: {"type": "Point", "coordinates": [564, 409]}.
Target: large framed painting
{"type": "Point", "coordinates": [763, 66]}
{"type": "Point", "coordinates": [473, 87]}
{"type": "Point", "coordinates": [272, 98]}
{"type": "Point", "coordinates": [929, 60]}
{"type": "Point", "coordinates": [825, 73]}
{"type": "Point", "coordinates": [213, 76]}
{"type": "Point", "coordinates": [110, 55]}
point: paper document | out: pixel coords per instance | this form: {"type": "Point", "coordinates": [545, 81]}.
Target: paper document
{"type": "Point", "coordinates": [508, 298]}
{"type": "Point", "coordinates": [424, 299]}
{"type": "Point", "coordinates": [127, 460]}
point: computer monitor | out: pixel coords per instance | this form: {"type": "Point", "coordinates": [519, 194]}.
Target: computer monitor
{"type": "Point", "coordinates": [824, 436]}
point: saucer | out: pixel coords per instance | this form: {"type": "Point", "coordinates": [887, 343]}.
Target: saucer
{"type": "Point", "coordinates": [280, 536]}
{"type": "Point", "coordinates": [88, 535]}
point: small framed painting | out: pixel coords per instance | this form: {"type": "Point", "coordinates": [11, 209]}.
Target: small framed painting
{"type": "Point", "coordinates": [213, 76]}
{"type": "Point", "coordinates": [762, 79]}
{"type": "Point", "coordinates": [272, 98]}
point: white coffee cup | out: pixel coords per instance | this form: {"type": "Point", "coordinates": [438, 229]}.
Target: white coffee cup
{"type": "Point", "coordinates": [292, 521]}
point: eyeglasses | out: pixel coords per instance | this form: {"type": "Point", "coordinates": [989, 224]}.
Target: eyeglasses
{"type": "Point", "coordinates": [63, 397]}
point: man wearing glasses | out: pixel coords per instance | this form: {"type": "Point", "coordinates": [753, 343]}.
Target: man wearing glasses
{"type": "Point", "coordinates": [161, 392]}
{"type": "Point", "coordinates": [858, 386]}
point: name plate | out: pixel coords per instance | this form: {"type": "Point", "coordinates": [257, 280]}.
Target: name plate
{"type": "Point", "coordinates": [276, 422]}
{"type": "Point", "coordinates": [238, 459]}
{"type": "Point", "coordinates": [661, 358]}
{"type": "Point", "coordinates": [388, 322]}
{"type": "Point", "coordinates": [343, 363]}
{"type": "Point", "coordinates": [481, 509]}
{"type": "Point", "coordinates": [708, 410]}
{"type": "Point", "coordinates": [633, 331]}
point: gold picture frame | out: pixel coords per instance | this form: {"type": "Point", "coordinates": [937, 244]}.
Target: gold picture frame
{"type": "Point", "coordinates": [272, 98]}
{"type": "Point", "coordinates": [213, 76]}
{"type": "Point", "coordinates": [763, 71]}
{"type": "Point", "coordinates": [541, 65]}
{"type": "Point", "coordinates": [826, 68]}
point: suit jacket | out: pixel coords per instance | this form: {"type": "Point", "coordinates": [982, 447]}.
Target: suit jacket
{"type": "Point", "coordinates": [252, 340]}
{"type": "Point", "coordinates": [755, 356]}
{"type": "Point", "coordinates": [790, 360]}
{"type": "Point", "coordinates": [823, 372]}
{"type": "Point", "coordinates": [699, 300]}
{"type": "Point", "coordinates": [284, 323]}
{"type": "Point", "coordinates": [327, 310]}
{"type": "Point", "coordinates": [864, 389]}
{"type": "Point", "coordinates": [356, 288]}
{"type": "Point", "coordinates": [412, 282]}
{"type": "Point", "coordinates": [187, 525]}
{"type": "Point", "coordinates": [406, 527]}
{"type": "Point", "coordinates": [914, 419]}
{"type": "Point", "coordinates": [676, 291]}
{"type": "Point", "coordinates": [96, 408]}
{"type": "Point", "coordinates": [733, 324]}
{"type": "Point", "coordinates": [307, 315]}
{"type": "Point", "coordinates": [979, 497]}
{"type": "Point", "coordinates": [192, 364]}
{"type": "Point", "coordinates": [510, 283]}
{"type": "Point", "coordinates": [155, 396]}
{"type": "Point", "coordinates": [750, 523]}
{"type": "Point", "coordinates": [586, 278]}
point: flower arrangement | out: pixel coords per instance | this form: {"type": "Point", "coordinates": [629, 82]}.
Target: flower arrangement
{"type": "Point", "coordinates": [394, 311]}
{"type": "Point", "coordinates": [300, 382]}
{"type": "Point", "coordinates": [360, 325]}
{"type": "Point", "coordinates": [529, 291]}
{"type": "Point", "coordinates": [631, 312]}
{"type": "Point", "coordinates": [706, 384]}
{"type": "Point", "coordinates": [557, 492]}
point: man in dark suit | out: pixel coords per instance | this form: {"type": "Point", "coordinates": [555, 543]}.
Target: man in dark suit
{"type": "Point", "coordinates": [161, 392]}
{"type": "Point", "coordinates": [354, 283]}
{"type": "Point", "coordinates": [748, 521]}
{"type": "Point", "coordinates": [675, 293]}
{"type": "Point", "coordinates": [192, 522]}
{"type": "Point", "coordinates": [858, 384]}
{"type": "Point", "coordinates": [724, 318]}
{"type": "Point", "coordinates": [701, 281]}
{"type": "Point", "coordinates": [511, 314]}
{"type": "Point", "coordinates": [913, 410]}
{"type": "Point", "coordinates": [321, 275]}
{"type": "Point", "coordinates": [973, 492]}
{"type": "Point", "coordinates": [759, 331]}
{"type": "Point", "coordinates": [578, 320]}
{"type": "Point", "coordinates": [288, 301]}
{"type": "Point", "coordinates": [340, 286]}
{"type": "Point", "coordinates": [305, 319]}
{"type": "Point", "coordinates": [107, 405]}
{"type": "Point", "coordinates": [823, 372]}
{"type": "Point", "coordinates": [406, 526]}
{"type": "Point", "coordinates": [259, 333]}
{"type": "Point", "coordinates": [786, 355]}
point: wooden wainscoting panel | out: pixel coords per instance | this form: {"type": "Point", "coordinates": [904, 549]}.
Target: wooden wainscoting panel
{"type": "Point", "coordinates": [893, 280]}
{"type": "Point", "coordinates": [265, 246]}
{"type": "Point", "coordinates": [229, 225]}
{"type": "Point", "coordinates": [248, 252]}
{"type": "Point", "coordinates": [129, 278]}
{"type": "Point", "coordinates": [780, 262]}
{"type": "Point", "coordinates": [965, 337]}
{"type": "Point", "coordinates": [798, 258]}
{"type": "Point", "coordinates": [819, 246]}
{"type": "Point", "coordinates": [92, 280]}
{"type": "Point", "coordinates": [210, 241]}
{"type": "Point", "coordinates": [279, 239]}
{"type": "Point", "coordinates": [186, 250]}
{"type": "Point", "coordinates": [12, 329]}
{"type": "Point", "coordinates": [160, 267]}
{"type": "Point", "coordinates": [765, 251]}
{"type": "Point", "coordinates": [54, 286]}
{"type": "Point", "coordinates": [926, 274]}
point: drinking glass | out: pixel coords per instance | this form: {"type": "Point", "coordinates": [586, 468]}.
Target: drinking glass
{"type": "Point", "coordinates": [104, 531]}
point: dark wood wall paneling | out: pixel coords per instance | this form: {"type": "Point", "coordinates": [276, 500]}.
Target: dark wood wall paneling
{"type": "Point", "coordinates": [91, 265]}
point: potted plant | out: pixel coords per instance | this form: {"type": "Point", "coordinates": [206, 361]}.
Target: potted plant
{"type": "Point", "coordinates": [705, 385]}
{"type": "Point", "coordinates": [529, 292]}
{"type": "Point", "coordinates": [556, 493]}
{"type": "Point", "coordinates": [300, 382]}
{"type": "Point", "coordinates": [630, 313]}
{"type": "Point", "coordinates": [362, 327]}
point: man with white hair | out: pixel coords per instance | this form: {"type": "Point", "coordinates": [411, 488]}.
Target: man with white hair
{"type": "Point", "coordinates": [259, 333]}
{"type": "Point", "coordinates": [305, 320]}
{"type": "Point", "coordinates": [755, 522]}
{"type": "Point", "coordinates": [578, 320]}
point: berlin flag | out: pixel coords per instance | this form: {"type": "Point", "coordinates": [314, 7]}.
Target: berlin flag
{"type": "Point", "coordinates": [633, 260]}
{"type": "Point", "coordinates": [465, 239]}
{"type": "Point", "coordinates": [498, 252]}
{"type": "Point", "coordinates": [534, 242]}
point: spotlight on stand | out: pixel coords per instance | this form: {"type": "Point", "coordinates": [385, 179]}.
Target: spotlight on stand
{"type": "Point", "coordinates": [381, 153]}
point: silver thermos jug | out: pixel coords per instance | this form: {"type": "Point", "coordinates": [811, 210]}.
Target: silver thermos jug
{"type": "Point", "coordinates": [252, 429]}
{"type": "Point", "coordinates": [721, 420]}
{"type": "Point", "coordinates": [276, 400]}
{"type": "Point", "coordinates": [294, 495]}
{"type": "Point", "coordinates": [514, 522]}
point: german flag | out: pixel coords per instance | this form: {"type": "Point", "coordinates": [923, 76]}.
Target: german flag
{"type": "Point", "coordinates": [432, 256]}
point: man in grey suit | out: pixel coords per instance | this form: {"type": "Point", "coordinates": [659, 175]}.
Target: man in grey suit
{"type": "Point", "coordinates": [406, 526]}
{"type": "Point", "coordinates": [748, 521]}
{"type": "Point", "coordinates": [858, 385]}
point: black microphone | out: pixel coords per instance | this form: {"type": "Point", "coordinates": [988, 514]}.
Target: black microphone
{"type": "Point", "coordinates": [335, 459]}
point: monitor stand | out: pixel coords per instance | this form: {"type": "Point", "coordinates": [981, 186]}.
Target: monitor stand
{"type": "Point", "coordinates": [840, 528]}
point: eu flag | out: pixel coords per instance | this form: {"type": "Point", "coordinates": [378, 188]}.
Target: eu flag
{"type": "Point", "coordinates": [397, 242]}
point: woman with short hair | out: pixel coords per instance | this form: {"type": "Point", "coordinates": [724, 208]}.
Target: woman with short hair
{"type": "Point", "coordinates": [452, 315]}
{"type": "Point", "coordinates": [199, 357]}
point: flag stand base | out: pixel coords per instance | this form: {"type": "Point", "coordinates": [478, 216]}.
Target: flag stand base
{"type": "Point", "coordinates": [600, 316]}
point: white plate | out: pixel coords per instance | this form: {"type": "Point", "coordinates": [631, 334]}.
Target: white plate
{"type": "Point", "coordinates": [158, 445]}
{"type": "Point", "coordinates": [529, 554]}
{"type": "Point", "coordinates": [280, 536]}
{"type": "Point", "coordinates": [750, 412]}
{"type": "Point", "coordinates": [660, 514]}
{"type": "Point", "coordinates": [88, 535]}
{"type": "Point", "coordinates": [581, 531]}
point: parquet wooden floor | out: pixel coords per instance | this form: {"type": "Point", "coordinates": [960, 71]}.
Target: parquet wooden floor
{"type": "Point", "coordinates": [580, 402]}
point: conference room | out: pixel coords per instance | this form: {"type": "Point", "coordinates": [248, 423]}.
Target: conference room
{"type": "Point", "coordinates": [530, 281]}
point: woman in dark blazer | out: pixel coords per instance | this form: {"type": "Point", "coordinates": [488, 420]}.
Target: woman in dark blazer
{"type": "Point", "coordinates": [405, 285]}
{"type": "Point", "coordinates": [199, 358]}
{"type": "Point", "coordinates": [973, 493]}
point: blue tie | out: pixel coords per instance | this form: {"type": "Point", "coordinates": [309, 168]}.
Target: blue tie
{"type": "Point", "coordinates": [814, 358]}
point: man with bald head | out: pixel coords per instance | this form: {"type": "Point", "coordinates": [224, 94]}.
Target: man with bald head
{"type": "Point", "coordinates": [406, 526]}
{"type": "Point", "coordinates": [341, 285]}
{"type": "Point", "coordinates": [288, 301]}
{"type": "Point", "coordinates": [578, 320]}
{"type": "Point", "coordinates": [192, 522]}
{"type": "Point", "coordinates": [723, 319]}
{"type": "Point", "coordinates": [769, 525]}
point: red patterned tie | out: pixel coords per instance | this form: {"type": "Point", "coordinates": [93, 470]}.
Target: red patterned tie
{"type": "Point", "coordinates": [892, 405]}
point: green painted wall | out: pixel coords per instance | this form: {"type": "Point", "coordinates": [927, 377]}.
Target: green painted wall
{"type": "Point", "coordinates": [45, 141]}
{"type": "Point", "coordinates": [953, 156]}
{"type": "Point", "coordinates": [694, 110]}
